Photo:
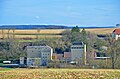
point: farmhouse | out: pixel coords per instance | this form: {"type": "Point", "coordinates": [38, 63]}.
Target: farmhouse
{"type": "Point", "coordinates": [116, 34]}
{"type": "Point", "coordinates": [39, 55]}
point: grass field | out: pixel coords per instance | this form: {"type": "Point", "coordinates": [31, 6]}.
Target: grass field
{"type": "Point", "coordinates": [60, 74]}
{"type": "Point", "coordinates": [47, 33]}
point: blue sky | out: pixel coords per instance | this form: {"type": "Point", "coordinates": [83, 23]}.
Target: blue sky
{"type": "Point", "coordinates": [60, 12]}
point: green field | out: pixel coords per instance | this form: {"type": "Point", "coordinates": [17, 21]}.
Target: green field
{"type": "Point", "coordinates": [60, 74]}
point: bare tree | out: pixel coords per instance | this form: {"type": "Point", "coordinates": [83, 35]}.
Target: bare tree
{"type": "Point", "coordinates": [3, 35]}
{"type": "Point", "coordinates": [114, 49]}
{"type": "Point", "coordinates": [8, 34]}
{"type": "Point", "coordinates": [13, 33]}
{"type": "Point", "coordinates": [37, 34]}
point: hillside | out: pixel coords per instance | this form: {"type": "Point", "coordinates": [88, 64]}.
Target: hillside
{"type": "Point", "coordinates": [101, 30]}
{"type": "Point", "coordinates": [33, 27]}
{"type": "Point", "coordinates": [45, 33]}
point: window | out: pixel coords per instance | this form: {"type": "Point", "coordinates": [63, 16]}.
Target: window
{"type": "Point", "coordinates": [77, 48]}
{"type": "Point", "coordinates": [98, 54]}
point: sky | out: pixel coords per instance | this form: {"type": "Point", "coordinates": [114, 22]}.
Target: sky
{"type": "Point", "coordinates": [60, 12]}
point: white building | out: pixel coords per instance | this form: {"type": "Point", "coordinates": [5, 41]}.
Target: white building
{"type": "Point", "coordinates": [78, 51]}
{"type": "Point", "coordinates": [39, 55]}
{"type": "Point", "coordinates": [46, 55]}
{"type": "Point", "coordinates": [116, 34]}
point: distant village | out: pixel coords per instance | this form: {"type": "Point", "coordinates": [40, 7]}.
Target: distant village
{"type": "Point", "coordinates": [44, 56]}
{"type": "Point", "coordinates": [78, 55]}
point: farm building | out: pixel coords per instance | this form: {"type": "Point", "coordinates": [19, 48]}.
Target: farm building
{"type": "Point", "coordinates": [39, 55]}
{"type": "Point", "coordinates": [58, 57]}
{"type": "Point", "coordinates": [67, 56]}
{"type": "Point", "coordinates": [78, 52]}
{"type": "Point", "coordinates": [116, 34]}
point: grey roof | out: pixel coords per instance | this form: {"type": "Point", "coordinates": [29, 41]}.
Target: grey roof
{"type": "Point", "coordinates": [78, 43]}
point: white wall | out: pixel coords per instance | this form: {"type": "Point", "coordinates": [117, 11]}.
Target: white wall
{"type": "Point", "coordinates": [77, 52]}
{"type": "Point", "coordinates": [43, 52]}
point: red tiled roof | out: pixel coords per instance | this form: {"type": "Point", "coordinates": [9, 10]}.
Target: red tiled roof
{"type": "Point", "coordinates": [67, 55]}
{"type": "Point", "coordinates": [117, 31]}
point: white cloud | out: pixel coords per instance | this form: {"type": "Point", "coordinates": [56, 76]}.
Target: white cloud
{"type": "Point", "coordinates": [37, 17]}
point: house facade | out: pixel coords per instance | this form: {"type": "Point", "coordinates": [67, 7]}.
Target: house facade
{"type": "Point", "coordinates": [116, 34]}
{"type": "Point", "coordinates": [38, 55]}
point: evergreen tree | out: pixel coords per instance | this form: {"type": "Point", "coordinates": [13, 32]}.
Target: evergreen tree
{"type": "Point", "coordinates": [75, 29]}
